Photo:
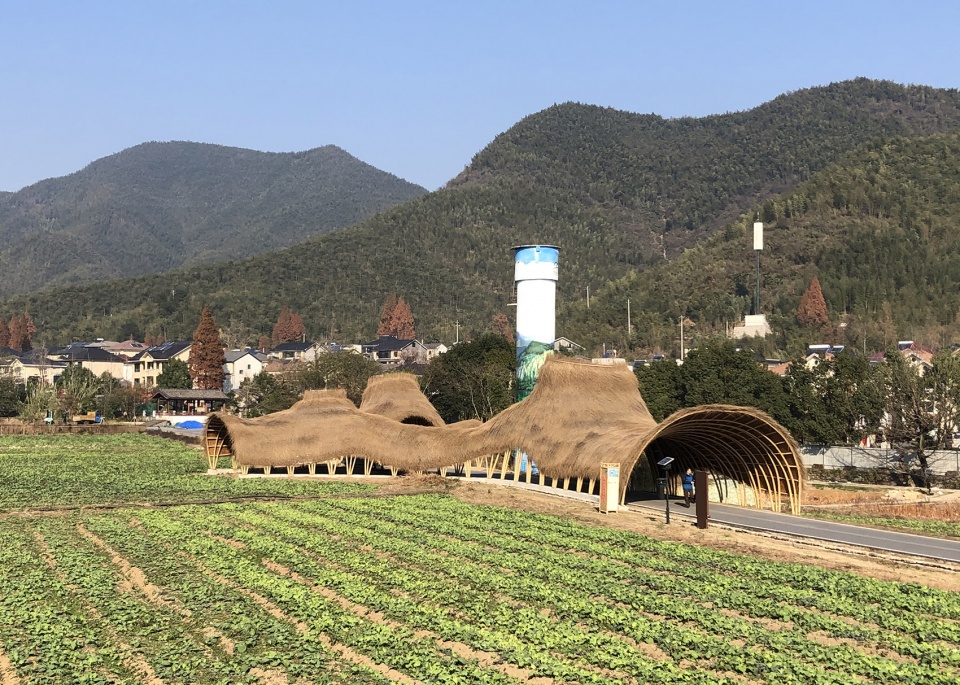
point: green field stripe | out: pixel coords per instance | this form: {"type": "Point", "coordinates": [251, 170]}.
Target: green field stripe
{"type": "Point", "coordinates": [45, 631]}
{"type": "Point", "coordinates": [178, 658]}
{"type": "Point", "coordinates": [524, 638]}
{"type": "Point", "coordinates": [841, 658]}
{"type": "Point", "coordinates": [97, 470]}
{"type": "Point", "coordinates": [735, 591]}
{"type": "Point", "coordinates": [257, 639]}
{"type": "Point", "coordinates": [397, 648]}
{"type": "Point", "coordinates": [894, 596]}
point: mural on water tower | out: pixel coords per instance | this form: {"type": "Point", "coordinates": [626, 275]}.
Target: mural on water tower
{"type": "Point", "coordinates": [535, 275]}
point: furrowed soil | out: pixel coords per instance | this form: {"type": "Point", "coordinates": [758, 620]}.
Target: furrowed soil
{"type": "Point", "coordinates": [716, 537]}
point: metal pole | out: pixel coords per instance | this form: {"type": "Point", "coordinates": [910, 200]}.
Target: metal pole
{"type": "Point", "coordinates": [681, 337]}
{"type": "Point", "coordinates": [666, 493]}
{"type": "Point", "coordinates": [756, 302]}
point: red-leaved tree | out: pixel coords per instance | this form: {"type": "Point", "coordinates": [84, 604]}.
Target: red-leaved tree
{"type": "Point", "coordinates": [289, 327]}
{"type": "Point", "coordinates": [18, 334]}
{"type": "Point", "coordinates": [206, 354]}
{"type": "Point", "coordinates": [813, 309]}
{"type": "Point", "coordinates": [386, 315]}
{"type": "Point", "coordinates": [396, 318]}
{"type": "Point", "coordinates": [501, 326]}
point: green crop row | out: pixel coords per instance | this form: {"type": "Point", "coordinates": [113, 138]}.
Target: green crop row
{"type": "Point", "coordinates": [81, 470]}
{"type": "Point", "coordinates": [339, 590]}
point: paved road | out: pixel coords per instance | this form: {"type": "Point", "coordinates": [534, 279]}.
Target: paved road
{"type": "Point", "coordinates": [902, 543]}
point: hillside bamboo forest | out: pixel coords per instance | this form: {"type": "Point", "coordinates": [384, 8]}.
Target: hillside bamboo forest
{"type": "Point", "coordinates": [857, 183]}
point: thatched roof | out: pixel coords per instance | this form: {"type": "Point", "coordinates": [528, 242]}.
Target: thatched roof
{"type": "Point", "coordinates": [578, 416]}
{"type": "Point", "coordinates": [397, 396]}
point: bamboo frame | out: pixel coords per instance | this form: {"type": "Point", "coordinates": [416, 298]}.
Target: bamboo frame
{"type": "Point", "coordinates": [578, 415]}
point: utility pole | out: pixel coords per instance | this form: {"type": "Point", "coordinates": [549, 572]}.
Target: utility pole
{"type": "Point", "coordinates": [757, 246]}
{"type": "Point", "coordinates": [458, 331]}
{"type": "Point", "coordinates": [588, 297]}
{"type": "Point", "coordinates": [629, 327]}
{"type": "Point", "coordinates": [681, 337]}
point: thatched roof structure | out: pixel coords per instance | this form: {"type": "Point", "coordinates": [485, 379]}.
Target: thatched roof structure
{"type": "Point", "coordinates": [578, 416]}
{"type": "Point", "coordinates": [397, 396]}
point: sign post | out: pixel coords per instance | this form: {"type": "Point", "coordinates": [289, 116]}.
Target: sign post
{"type": "Point", "coordinates": [609, 488]}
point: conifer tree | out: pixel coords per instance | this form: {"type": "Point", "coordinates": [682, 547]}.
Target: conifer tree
{"type": "Point", "coordinates": [386, 315]}
{"type": "Point", "coordinates": [402, 321]}
{"type": "Point", "coordinates": [501, 326]}
{"type": "Point", "coordinates": [206, 354]}
{"type": "Point", "coordinates": [29, 330]}
{"type": "Point", "coordinates": [17, 334]}
{"type": "Point", "coordinates": [4, 333]}
{"type": "Point", "coordinates": [289, 327]}
{"type": "Point", "coordinates": [813, 309]}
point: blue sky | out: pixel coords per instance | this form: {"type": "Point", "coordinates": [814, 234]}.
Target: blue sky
{"type": "Point", "coordinates": [417, 88]}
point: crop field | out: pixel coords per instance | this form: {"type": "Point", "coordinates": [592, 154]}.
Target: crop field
{"type": "Point", "coordinates": [406, 589]}
{"type": "Point", "coordinates": [85, 470]}
{"type": "Point", "coordinates": [427, 588]}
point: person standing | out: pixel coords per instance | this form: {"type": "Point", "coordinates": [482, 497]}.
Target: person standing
{"type": "Point", "coordinates": [688, 488]}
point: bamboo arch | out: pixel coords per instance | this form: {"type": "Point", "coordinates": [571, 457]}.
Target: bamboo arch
{"type": "Point", "coordinates": [579, 415]}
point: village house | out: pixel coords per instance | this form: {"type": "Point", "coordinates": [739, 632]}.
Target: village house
{"type": "Point", "coordinates": [296, 351]}
{"type": "Point", "coordinates": [240, 365]}
{"type": "Point", "coordinates": [147, 365]}
{"type": "Point", "coordinates": [390, 351]}
{"type": "Point", "coordinates": [31, 368]}
{"type": "Point", "coordinates": [94, 358]}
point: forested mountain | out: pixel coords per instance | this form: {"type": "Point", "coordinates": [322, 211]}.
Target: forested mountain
{"type": "Point", "coordinates": [625, 196]}
{"type": "Point", "coordinates": [880, 229]}
{"type": "Point", "coordinates": [161, 206]}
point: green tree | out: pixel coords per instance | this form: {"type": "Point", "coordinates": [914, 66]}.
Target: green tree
{"type": "Point", "coordinates": [176, 374]}
{"type": "Point", "coordinates": [473, 380]}
{"type": "Point", "coordinates": [346, 370]}
{"type": "Point", "coordinates": [264, 394]}
{"type": "Point", "coordinates": [922, 408]}
{"type": "Point", "coordinates": [4, 333]}
{"type": "Point", "coordinates": [661, 385]}
{"type": "Point", "coordinates": [206, 354]}
{"type": "Point", "coordinates": [718, 373]}
{"type": "Point", "coordinates": [714, 373]}
{"type": "Point", "coordinates": [11, 395]}
{"type": "Point", "coordinates": [39, 400]}
{"type": "Point", "coordinates": [77, 390]}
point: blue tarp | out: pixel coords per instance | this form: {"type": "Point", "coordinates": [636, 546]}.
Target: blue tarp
{"type": "Point", "coordinates": [190, 424]}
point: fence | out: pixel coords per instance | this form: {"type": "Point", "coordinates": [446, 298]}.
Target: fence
{"type": "Point", "coordinates": [44, 429]}
{"type": "Point", "coordinates": [834, 457]}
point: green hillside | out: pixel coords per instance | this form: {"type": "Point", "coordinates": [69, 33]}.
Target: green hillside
{"type": "Point", "coordinates": [161, 206]}
{"type": "Point", "coordinates": [621, 194]}
{"type": "Point", "coordinates": [880, 229]}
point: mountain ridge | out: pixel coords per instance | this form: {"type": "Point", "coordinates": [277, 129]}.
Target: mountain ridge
{"type": "Point", "coordinates": [621, 193]}
{"type": "Point", "coordinates": [162, 205]}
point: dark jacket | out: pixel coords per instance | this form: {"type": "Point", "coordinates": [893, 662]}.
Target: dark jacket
{"type": "Point", "coordinates": [688, 481]}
